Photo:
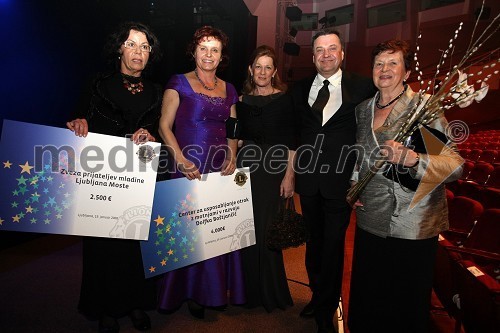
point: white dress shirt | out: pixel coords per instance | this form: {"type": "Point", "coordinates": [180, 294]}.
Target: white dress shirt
{"type": "Point", "coordinates": [335, 100]}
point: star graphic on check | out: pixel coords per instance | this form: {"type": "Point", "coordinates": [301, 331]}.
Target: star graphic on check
{"type": "Point", "coordinates": [26, 168]}
{"type": "Point", "coordinates": [21, 180]}
{"type": "Point", "coordinates": [159, 220]}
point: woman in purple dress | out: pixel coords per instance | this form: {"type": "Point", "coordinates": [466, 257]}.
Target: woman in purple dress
{"type": "Point", "coordinates": [197, 107]}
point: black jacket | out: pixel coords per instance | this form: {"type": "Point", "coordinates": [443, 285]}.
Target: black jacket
{"type": "Point", "coordinates": [104, 116]}
{"type": "Point", "coordinates": [324, 163]}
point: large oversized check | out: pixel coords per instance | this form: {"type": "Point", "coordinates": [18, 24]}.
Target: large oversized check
{"type": "Point", "coordinates": [55, 182]}
{"type": "Point", "coordinates": [197, 220]}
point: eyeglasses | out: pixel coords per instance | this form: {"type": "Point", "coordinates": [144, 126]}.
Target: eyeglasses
{"type": "Point", "coordinates": [132, 45]}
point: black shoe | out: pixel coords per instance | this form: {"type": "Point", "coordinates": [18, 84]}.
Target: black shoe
{"type": "Point", "coordinates": [326, 327]}
{"type": "Point", "coordinates": [108, 324]}
{"type": "Point", "coordinates": [220, 308]}
{"type": "Point", "coordinates": [308, 310]}
{"type": "Point", "coordinates": [325, 324]}
{"type": "Point", "coordinates": [196, 310]}
{"type": "Point", "coordinates": [140, 320]}
{"type": "Point", "coordinates": [327, 330]}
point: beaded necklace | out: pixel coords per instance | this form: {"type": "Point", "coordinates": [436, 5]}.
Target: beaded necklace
{"type": "Point", "coordinates": [134, 88]}
{"type": "Point", "coordinates": [392, 101]}
{"type": "Point", "coordinates": [203, 84]}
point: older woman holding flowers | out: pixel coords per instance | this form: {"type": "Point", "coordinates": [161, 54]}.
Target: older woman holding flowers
{"type": "Point", "coordinates": [403, 208]}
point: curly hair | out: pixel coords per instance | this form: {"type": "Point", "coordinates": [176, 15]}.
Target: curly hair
{"type": "Point", "coordinates": [263, 50]}
{"type": "Point", "coordinates": [395, 45]}
{"type": "Point", "coordinates": [118, 37]}
{"type": "Point", "coordinates": [207, 31]}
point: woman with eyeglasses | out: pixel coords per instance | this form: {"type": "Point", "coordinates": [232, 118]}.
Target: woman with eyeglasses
{"type": "Point", "coordinates": [120, 103]}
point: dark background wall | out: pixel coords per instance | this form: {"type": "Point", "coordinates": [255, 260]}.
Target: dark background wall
{"type": "Point", "coordinates": [51, 48]}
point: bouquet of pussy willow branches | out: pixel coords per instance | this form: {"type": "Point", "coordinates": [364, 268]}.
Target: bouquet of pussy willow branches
{"type": "Point", "coordinates": [432, 101]}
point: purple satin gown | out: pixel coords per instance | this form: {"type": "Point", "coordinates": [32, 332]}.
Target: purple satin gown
{"type": "Point", "coordinates": [200, 124]}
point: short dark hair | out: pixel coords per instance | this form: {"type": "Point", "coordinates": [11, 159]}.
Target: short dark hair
{"type": "Point", "coordinates": [205, 32]}
{"type": "Point", "coordinates": [328, 31]}
{"type": "Point", "coordinates": [395, 45]}
{"type": "Point", "coordinates": [120, 35]}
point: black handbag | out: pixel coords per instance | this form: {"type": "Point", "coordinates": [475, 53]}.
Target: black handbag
{"type": "Point", "coordinates": [287, 228]}
{"type": "Point", "coordinates": [401, 174]}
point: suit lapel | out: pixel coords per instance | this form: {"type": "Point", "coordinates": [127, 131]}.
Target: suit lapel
{"type": "Point", "coordinates": [306, 89]}
{"type": "Point", "coordinates": [346, 97]}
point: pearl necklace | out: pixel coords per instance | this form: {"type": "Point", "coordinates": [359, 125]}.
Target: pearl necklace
{"type": "Point", "coordinates": [203, 84]}
{"type": "Point", "coordinates": [392, 101]}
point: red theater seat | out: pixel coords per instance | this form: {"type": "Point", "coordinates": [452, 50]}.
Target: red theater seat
{"type": "Point", "coordinates": [492, 145]}
{"type": "Point", "coordinates": [490, 197]}
{"type": "Point", "coordinates": [449, 196]}
{"type": "Point", "coordinates": [470, 190]}
{"type": "Point", "coordinates": [494, 179]}
{"type": "Point", "coordinates": [481, 172]}
{"type": "Point", "coordinates": [474, 154]}
{"type": "Point", "coordinates": [479, 295]}
{"type": "Point", "coordinates": [464, 152]}
{"type": "Point", "coordinates": [476, 272]}
{"type": "Point", "coordinates": [488, 156]}
{"type": "Point", "coordinates": [467, 168]}
{"type": "Point", "coordinates": [464, 145]}
{"type": "Point", "coordinates": [463, 213]}
{"type": "Point", "coordinates": [475, 145]}
{"type": "Point", "coordinates": [485, 233]}
{"type": "Point", "coordinates": [453, 281]}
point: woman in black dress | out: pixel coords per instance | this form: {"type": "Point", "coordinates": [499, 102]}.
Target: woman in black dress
{"type": "Point", "coordinates": [120, 103]}
{"type": "Point", "coordinates": [267, 133]}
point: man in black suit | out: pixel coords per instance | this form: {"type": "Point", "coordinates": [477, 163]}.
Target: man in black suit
{"type": "Point", "coordinates": [324, 105]}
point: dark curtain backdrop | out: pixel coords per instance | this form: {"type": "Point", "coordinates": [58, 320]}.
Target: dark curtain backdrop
{"type": "Point", "coordinates": [51, 48]}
